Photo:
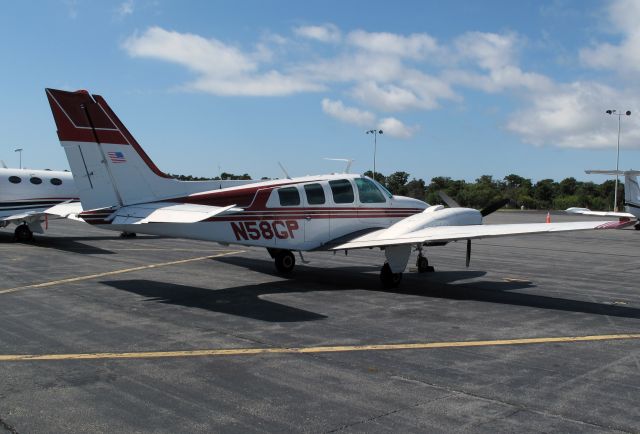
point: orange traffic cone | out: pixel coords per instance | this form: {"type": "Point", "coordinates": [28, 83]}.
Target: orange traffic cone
{"type": "Point", "coordinates": [548, 216]}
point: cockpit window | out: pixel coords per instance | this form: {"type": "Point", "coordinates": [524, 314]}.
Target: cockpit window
{"type": "Point", "coordinates": [315, 194]}
{"type": "Point", "coordinates": [289, 196]}
{"type": "Point", "coordinates": [56, 181]}
{"type": "Point", "coordinates": [368, 191]}
{"type": "Point", "coordinates": [342, 191]}
{"type": "Point", "coordinates": [36, 180]}
{"type": "Point", "coordinates": [383, 188]}
{"type": "Point", "coordinates": [15, 179]}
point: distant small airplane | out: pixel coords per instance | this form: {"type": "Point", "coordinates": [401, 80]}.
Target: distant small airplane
{"type": "Point", "coordinates": [29, 198]}
{"type": "Point", "coordinates": [122, 189]}
{"type": "Point", "coordinates": [631, 197]}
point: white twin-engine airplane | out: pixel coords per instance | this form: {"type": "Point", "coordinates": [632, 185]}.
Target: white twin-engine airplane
{"type": "Point", "coordinates": [122, 189]}
{"type": "Point", "coordinates": [631, 197]}
{"type": "Point", "coordinates": [28, 198]}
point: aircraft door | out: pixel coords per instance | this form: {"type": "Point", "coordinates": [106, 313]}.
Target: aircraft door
{"type": "Point", "coordinates": [316, 216]}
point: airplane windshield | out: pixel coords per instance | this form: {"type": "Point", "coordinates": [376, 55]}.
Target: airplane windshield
{"type": "Point", "coordinates": [382, 187]}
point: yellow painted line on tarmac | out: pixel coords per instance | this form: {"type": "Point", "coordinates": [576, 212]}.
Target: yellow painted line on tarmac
{"type": "Point", "coordinates": [311, 350]}
{"type": "Point", "coordinates": [116, 272]}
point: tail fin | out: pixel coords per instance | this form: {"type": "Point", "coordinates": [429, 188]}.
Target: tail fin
{"type": "Point", "coordinates": [109, 167]}
{"type": "Point", "coordinates": [631, 189]}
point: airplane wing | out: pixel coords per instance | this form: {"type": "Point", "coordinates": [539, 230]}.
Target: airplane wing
{"type": "Point", "coordinates": [587, 211]}
{"type": "Point", "coordinates": [383, 237]}
{"type": "Point", "coordinates": [69, 210]}
{"type": "Point", "coordinates": [168, 212]}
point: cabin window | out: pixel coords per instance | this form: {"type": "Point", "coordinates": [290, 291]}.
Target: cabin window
{"type": "Point", "coordinates": [368, 191]}
{"type": "Point", "coordinates": [342, 191]}
{"type": "Point", "coordinates": [315, 194]}
{"type": "Point", "coordinates": [289, 196]}
{"type": "Point", "coordinates": [35, 180]}
{"type": "Point", "coordinates": [15, 179]}
{"type": "Point", "coordinates": [56, 181]}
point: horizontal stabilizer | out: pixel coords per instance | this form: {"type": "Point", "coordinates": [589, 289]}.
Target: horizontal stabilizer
{"type": "Point", "coordinates": [168, 212]}
{"type": "Point", "coordinates": [587, 211]}
{"type": "Point", "coordinates": [383, 237]}
{"type": "Point", "coordinates": [613, 172]}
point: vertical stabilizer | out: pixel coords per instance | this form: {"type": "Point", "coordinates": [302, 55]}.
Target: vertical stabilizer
{"type": "Point", "coordinates": [109, 167]}
{"type": "Point", "coordinates": [632, 190]}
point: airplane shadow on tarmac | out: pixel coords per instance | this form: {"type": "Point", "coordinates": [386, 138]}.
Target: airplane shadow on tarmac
{"type": "Point", "coordinates": [242, 301]}
{"type": "Point", "coordinates": [68, 244]}
{"type": "Point", "coordinates": [246, 300]}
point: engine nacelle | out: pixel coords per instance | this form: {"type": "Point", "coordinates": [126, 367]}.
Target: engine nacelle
{"type": "Point", "coordinates": [436, 215]}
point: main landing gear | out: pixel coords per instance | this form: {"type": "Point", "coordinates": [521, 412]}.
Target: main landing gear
{"type": "Point", "coordinates": [389, 278]}
{"type": "Point", "coordinates": [23, 234]}
{"type": "Point", "coordinates": [637, 226]}
{"type": "Point", "coordinates": [284, 260]}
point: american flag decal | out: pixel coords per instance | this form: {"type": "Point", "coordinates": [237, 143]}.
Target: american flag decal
{"type": "Point", "coordinates": [116, 157]}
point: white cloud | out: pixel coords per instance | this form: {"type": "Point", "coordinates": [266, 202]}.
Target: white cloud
{"type": "Point", "coordinates": [390, 73]}
{"type": "Point", "coordinates": [573, 116]}
{"type": "Point", "coordinates": [395, 128]}
{"type": "Point", "coordinates": [222, 69]}
{"type": "Point", "coordinates": [415, 46]}
{"type": "Point", "coordinates": [125, 8]}
{"type": "Point", "coordinates": [624, 16]}
{"type": "Point", "coordinates": [351, 115]}
{"type": "Point", "coordinates": [323, 33]}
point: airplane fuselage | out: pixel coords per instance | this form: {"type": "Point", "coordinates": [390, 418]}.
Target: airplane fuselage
{"type": "Point", "coordinates": [293, 214]}
{"type": "Point", "coordinates": [24, 190]}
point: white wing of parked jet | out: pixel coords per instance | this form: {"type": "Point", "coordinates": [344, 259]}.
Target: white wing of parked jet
{"type": "Point", "coordinates": [386, 237]}
{"type": "Point", "coordinates": [69, 210]}
{"type": "Point", "coordinates": [587, 211]}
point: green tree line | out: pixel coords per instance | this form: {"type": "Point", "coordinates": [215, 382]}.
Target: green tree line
{"type": "Point", "coordinates": [544, 194]}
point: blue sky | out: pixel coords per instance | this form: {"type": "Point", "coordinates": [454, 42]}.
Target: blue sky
{"type": "Point", "coordinates": [460, 88]}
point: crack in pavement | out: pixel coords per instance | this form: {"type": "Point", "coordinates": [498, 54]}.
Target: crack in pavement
{"type": "Point", "coordinates": [5, 425]}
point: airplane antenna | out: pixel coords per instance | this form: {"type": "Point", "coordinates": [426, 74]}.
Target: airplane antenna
{"type": "Point", "coordinates": [284, 170]}
{"type": "Point", "coordinates": [349, 162]}
{"type": "Point", "coordinates": [4, 165]}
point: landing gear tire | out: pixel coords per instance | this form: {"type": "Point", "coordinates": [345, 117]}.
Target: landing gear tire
{"type": "Point", "coordinates": [423, 265]}
{"type": "Point", "coordinates": [389, 279]}
{"type": "Point", "coordinates": [285, 261]}
{"type": "Point", "coordinates": [637, 226]}
{"type": "Point", "coordinates": [125, 234]}
{"type": "Point", "coordinates": [23, 234]}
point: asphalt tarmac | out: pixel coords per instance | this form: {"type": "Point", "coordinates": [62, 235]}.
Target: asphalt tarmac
{"type": "Point", "coordinates": [102, 334]}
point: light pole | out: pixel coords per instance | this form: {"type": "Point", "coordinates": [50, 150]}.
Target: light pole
{"type": "Point", "coordinates": [19, 150]}
{"type": "Point", "coordinates": [375, 146]}
{"type": "Point", "coordinates": [615, 193]}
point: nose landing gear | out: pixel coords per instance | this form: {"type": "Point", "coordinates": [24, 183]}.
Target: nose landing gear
{"type": "Point", "coordinates": [389, 278]}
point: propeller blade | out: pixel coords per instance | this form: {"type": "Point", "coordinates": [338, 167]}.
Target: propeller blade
{"type": "Point", "coordinates": [448, 199]}
{"type": "Point", "coordinates": [494, 207]}
{"type": "Point", "coordinates": [468, 252]}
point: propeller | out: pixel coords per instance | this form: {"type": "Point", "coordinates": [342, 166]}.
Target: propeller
{"type": "Point", "coordinates": [448, 199]}
{"type": "Point", "coordinates": [493, 207]}
{"type": "Point", "coordinates": [468, 253]}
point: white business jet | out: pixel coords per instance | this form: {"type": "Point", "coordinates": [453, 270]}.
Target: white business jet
{"type": "Point", "coordinates": [28, 198]}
